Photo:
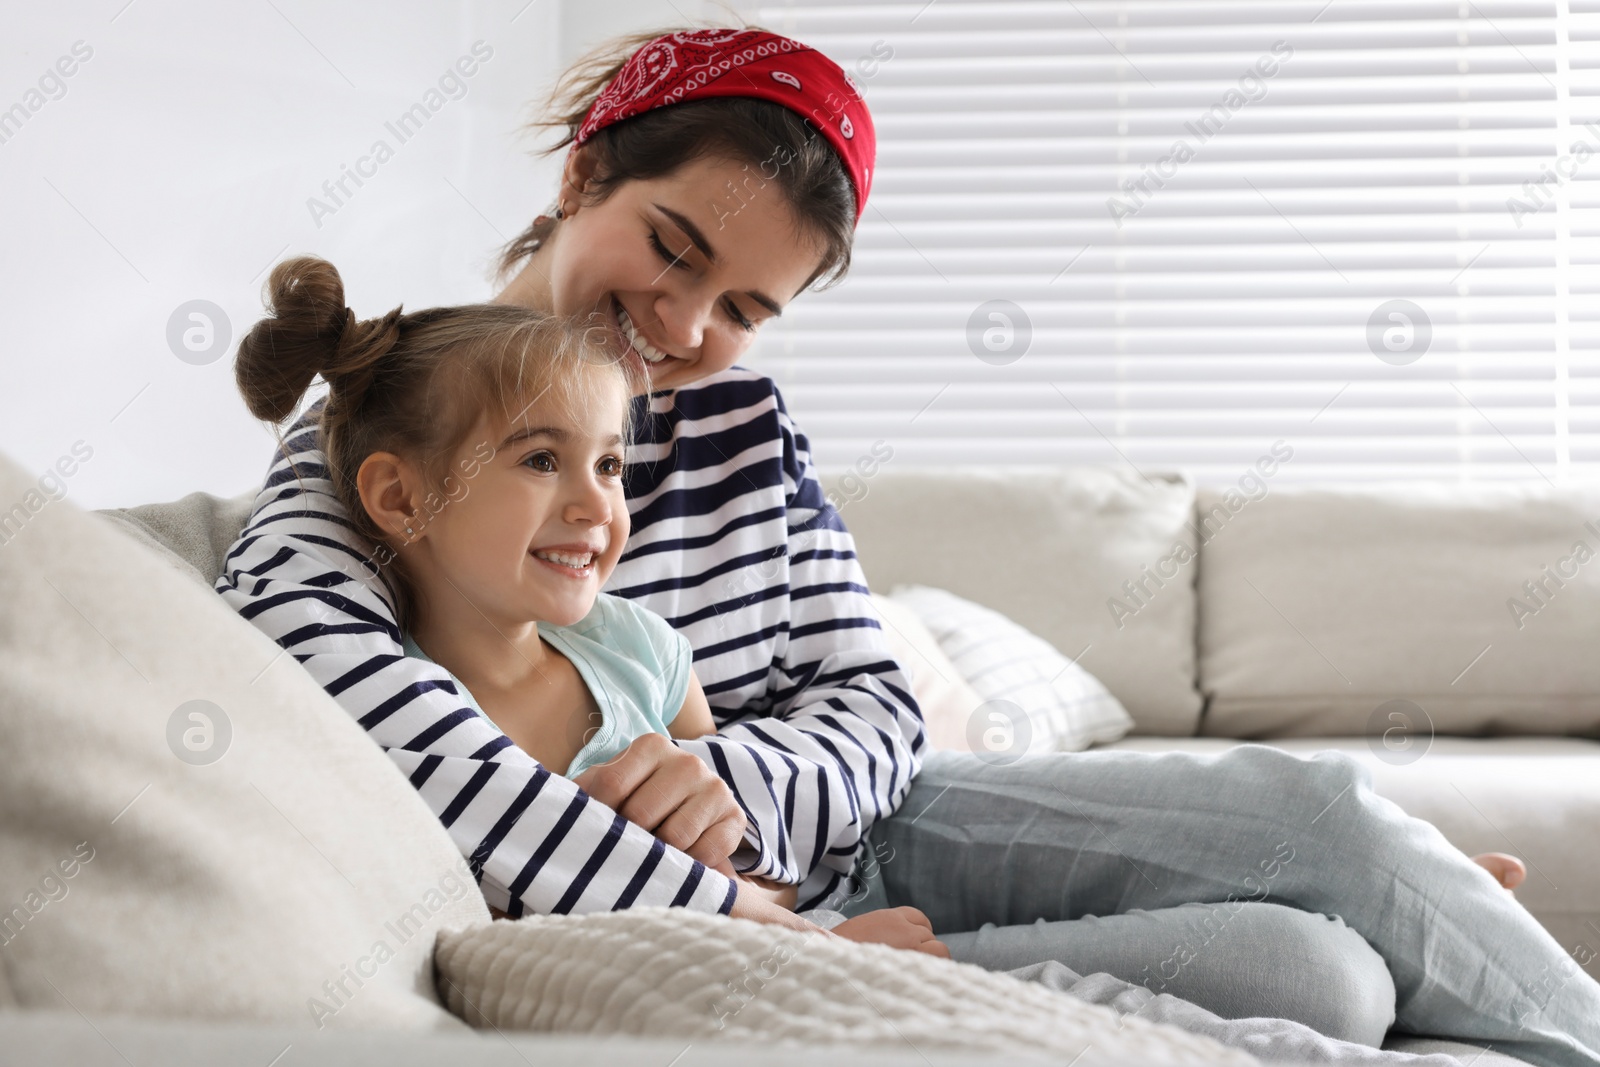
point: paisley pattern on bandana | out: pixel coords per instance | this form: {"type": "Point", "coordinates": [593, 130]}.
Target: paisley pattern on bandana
{"type": "Point", "coordinates": [704, 64]}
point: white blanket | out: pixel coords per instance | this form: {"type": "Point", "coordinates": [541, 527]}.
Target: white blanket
{"type": "Point", "coordinates": [669, 972]}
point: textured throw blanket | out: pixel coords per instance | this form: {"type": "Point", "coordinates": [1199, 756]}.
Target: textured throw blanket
{"type": "Point", "coordinates": [658, 972]}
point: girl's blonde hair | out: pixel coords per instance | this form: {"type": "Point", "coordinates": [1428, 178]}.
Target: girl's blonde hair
{"type": "Point", "coordinates": [412, 384]}
{"type": "Point", "coordinates": [744, 130]}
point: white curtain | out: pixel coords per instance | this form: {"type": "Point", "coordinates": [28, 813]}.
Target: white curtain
{"type": "Point", "coordinates": [1178, 234]}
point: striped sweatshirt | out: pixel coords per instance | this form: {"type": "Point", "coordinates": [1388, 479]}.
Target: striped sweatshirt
{"type": "Point", "coordinates": [734, 544]}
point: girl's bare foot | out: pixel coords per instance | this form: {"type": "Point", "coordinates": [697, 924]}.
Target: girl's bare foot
{"type": "Point", "coordinates": [1507, 870]}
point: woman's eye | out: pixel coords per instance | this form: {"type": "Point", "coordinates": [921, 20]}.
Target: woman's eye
{"type": "Point", "coordinates": [541, 461]}
{"type": "Point", "coordinates": [661, 250]}
{"type": "Point", "coordinates": [611, 467]}
{"type": "Point", "coordinates": [744, 323]}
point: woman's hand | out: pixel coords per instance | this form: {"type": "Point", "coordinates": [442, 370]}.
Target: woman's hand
{"type": "Point", "coordinates": [671, 793]}
{"type": "Point", "coordinates": [751, 903]}
{"type": "Point", "coordinates": [904, 927]}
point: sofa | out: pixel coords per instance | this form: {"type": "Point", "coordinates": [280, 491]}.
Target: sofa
{"type": "Point", "coordinates": [1443, 635]}
{"type": "Point", "coordinates": [250, 861]}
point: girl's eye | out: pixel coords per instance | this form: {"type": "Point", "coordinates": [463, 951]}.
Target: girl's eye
{"type": "Point", "coordinates": [661, 250]}
{"type": "Point", "coordinates": [542, 461]}
{"type": "Point", "coordinates": [611, 467]}
{"type": "Point", "coordinates": [744, 324]}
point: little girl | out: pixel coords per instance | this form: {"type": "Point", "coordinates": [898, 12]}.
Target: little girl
{"type": "Point", "coordinates": [480, 449]}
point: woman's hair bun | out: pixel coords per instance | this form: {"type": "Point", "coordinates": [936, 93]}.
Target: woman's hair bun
{"type": "Point", "coordinates": [309, 331]}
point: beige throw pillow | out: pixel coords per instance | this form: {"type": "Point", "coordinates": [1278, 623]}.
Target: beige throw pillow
{"type": "Point", "coordinates": [1033, 699]}
{"type": "Point", "coordinates": [944, 696]}
{"type": "Point", "coordinates": [706, 979]}
{"type": "Point", "coordinates": [189, 825]}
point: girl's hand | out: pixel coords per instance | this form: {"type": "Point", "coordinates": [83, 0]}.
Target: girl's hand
{"type": "Point", "coordinates": [903, 927]}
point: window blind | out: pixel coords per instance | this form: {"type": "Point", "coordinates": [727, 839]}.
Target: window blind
{"type": "Point", "coordinates": [1174, 234]}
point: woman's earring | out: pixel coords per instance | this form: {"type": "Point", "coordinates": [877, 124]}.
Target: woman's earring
{"type": "Point", "coordinates": [560, 214]}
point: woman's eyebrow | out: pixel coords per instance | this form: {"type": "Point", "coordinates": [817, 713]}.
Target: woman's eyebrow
{"type": "Point", "coordinates": [698, 239]}
{"type": "Point", "coordinates": [693, 232]}
{"type": "Point", "coordinates": [765, 301]}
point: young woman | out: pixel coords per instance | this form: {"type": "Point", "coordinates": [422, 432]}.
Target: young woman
{"type": "Point", "coordinates": [712, 177]}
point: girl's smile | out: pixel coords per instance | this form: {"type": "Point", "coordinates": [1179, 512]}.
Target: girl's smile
{"type": "Point", "coordinates": [574, 561]}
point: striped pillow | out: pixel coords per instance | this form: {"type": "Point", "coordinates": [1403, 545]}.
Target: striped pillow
{"type": "Point", "coordinates": [1035, 698]}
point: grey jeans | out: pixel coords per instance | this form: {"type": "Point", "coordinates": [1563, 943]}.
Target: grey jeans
{"type": "Point", "coordinates": [1062, 837]}
{"type": "Point", "coordinates": [1238, 961]}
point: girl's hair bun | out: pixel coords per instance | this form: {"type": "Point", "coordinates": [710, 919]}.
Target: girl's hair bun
{"type": "Point", "coordinates": [309, 331]}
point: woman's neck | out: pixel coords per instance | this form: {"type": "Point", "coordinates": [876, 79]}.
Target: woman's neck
{"type": "Point", "coordinates": [530, 287]}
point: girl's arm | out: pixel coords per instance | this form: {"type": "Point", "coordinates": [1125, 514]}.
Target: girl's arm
{"type": "Point", "coordinates": [694, 718]}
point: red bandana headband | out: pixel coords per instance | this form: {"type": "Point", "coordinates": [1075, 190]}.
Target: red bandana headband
{"type": "Point", "coordinates": [702, 64]}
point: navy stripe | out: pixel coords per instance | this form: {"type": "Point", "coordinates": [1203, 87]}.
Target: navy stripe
{"type": "Point", "coordinates": [332, 599]}
{"type": "Point", "coordinates": [637, 548]}
{"type": "Point", "coordinates": [496, 745]}
{"type": "Point", "coordinates": [377, 715]}
{"type": "Point", "coordinates": [438, 728]}
{"type": "Point", "coordinates": [541, 855]}
{"type": "Point", "coordinates": [690, 884]}
{"type": "Point", "coordinates": [596, 860]}
{"type": "Point", "coordinates": [497, 833]}
{"type": "Point", "coordinates": [359, 673]}
{"type": "Point", "coordinates": [641, 876]}
{"type": "Point", "coordinates": [479, 779]}
{"type": "Point", "coordinates": [424, 771]}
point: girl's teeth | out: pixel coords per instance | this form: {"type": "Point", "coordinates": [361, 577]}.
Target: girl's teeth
{"type": "Point", "coordinates": [650, 353]}
{"type": "Point", "coordinates": [567, 559]}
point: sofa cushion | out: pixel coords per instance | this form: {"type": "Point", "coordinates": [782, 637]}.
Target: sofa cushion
{"type": "Point", "coordinates": [1535, 797]}
{"type": "Point", "coordinates": [1051, 549]}
{"type": "Point", "coordinates": [944, 697]}
{"type": "Point", "coordinates": [189, 825]}
{"type": "Point", "coordinates": [196, 531]}
{"type": "Point", "coordinates": [1318, 607]}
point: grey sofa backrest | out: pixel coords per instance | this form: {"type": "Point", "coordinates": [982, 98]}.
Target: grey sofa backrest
{"type": "Point", "coordinates": [1099, 561]}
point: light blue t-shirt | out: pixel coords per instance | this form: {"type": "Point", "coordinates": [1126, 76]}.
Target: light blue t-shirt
{"type": "Point", "coordinates": [634, 663]}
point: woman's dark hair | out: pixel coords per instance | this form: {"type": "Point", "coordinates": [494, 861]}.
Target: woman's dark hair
{"type": "Point", "coordinates": [739, 129]}
{"type": "Point", "coordinates": [411, 384]}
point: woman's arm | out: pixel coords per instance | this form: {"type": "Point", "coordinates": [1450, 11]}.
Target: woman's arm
{"type": "Point", "coordinates": [535, 841]}
{"type": "Point", "coordinates": [834, 741]}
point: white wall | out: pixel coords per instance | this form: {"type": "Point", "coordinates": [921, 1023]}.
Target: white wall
{"type": "Point", "coordinates": [176, 164]}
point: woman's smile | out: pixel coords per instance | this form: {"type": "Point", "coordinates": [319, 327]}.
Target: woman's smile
{"type": "Point", "coordinates": [632, 344]}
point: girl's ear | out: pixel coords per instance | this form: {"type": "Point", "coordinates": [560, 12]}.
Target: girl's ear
{"type": "Point", "coordinates": [575, 176]}
{"type": "Point", "coordinates": [391, 489]}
